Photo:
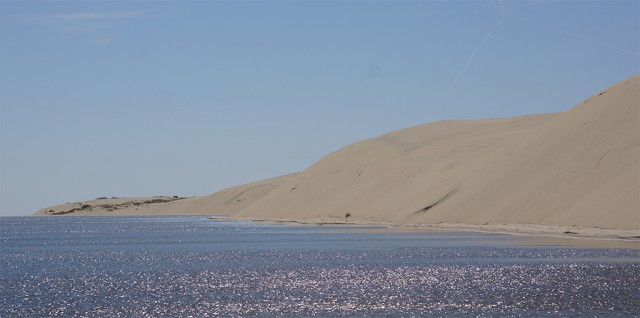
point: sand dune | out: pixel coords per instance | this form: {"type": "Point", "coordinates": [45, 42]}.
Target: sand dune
{"type": "Point", "coordinates": [577, 168]}
{"type": "Point", "coordinates": [228, 201]}
{"type": "Point", "coordinates": [390, 177]}
{"type": "Point", "coordinates": [581, 168]}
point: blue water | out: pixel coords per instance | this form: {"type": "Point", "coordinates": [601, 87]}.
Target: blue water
{"type": "Point", "coordinates": [195, 267]}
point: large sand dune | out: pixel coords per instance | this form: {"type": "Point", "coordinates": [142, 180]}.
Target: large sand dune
{"type": "Point", "coordinates": [578, 168]}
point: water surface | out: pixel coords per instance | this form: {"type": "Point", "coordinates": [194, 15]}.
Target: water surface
{"type": "Point", "coordinates": [192, 266]}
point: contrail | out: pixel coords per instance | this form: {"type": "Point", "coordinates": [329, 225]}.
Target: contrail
{"type": "Point", "coordinates": [579, 36]}
{"type": "Point", "coordinates": [475, 51]}
{"type": "Point", "coordinates": [503, 11]}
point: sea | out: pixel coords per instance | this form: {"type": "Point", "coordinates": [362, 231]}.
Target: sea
{"type": "Point", "coordinates": [193, 266]}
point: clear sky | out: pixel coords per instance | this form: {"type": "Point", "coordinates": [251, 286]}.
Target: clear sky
{"type": "Point", "coordinates": [142, 98]}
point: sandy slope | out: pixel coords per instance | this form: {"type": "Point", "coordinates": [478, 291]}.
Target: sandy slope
{"type": "Point", "coordinates": [581, 168]}
{"type": "Point", "coordinates": [227, 201]}
{"type": "Point", "coordinates": [392, 176]}
{"type": "Point", "coordinates": [577, 168]}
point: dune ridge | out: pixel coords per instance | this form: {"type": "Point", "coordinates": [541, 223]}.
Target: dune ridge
{"type": "Point", "coordinates": [224, 202]}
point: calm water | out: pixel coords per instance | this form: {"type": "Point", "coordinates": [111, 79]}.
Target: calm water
{"type": "Point", "coordinates": [191, 266]}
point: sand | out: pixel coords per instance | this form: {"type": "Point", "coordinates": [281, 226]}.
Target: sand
{"type": "Point", "coordinates": [579, 168]}
{"type": "Point", "coordinates": [552, 174]}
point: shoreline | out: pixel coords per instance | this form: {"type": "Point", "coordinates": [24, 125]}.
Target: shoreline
{"type": "Point", "coordinates": [546, 231]}
{"type": "Point", "coordinates": [552, 234]}
{"type": "Point", "coordinates": [540, 233]}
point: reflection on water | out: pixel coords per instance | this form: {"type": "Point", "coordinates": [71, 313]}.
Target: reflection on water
{"type": "Point", "coordinates": [190, 266]}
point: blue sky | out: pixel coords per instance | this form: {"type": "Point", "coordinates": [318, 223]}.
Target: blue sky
{"type": "Point", "coordinates": [141, 98]}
